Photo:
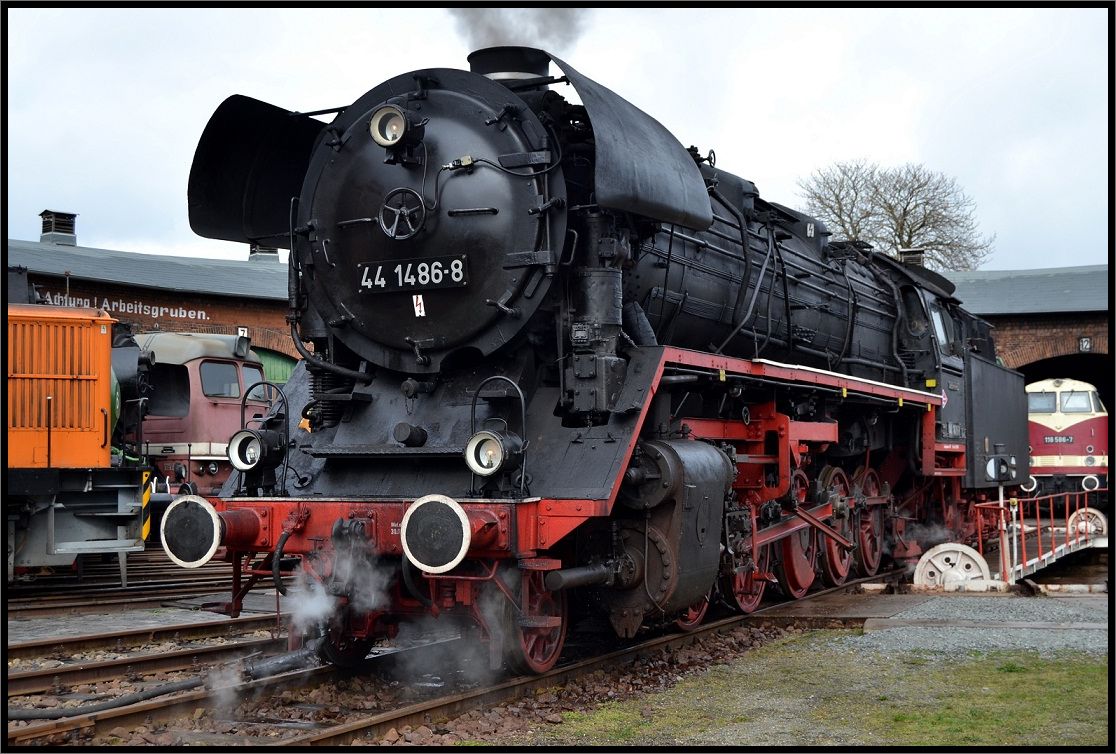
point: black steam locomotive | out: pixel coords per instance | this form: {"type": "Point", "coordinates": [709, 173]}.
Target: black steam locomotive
{"type": "Point", "coordinates": [561, 362]}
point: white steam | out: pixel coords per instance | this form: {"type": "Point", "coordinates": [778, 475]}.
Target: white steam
{"type": "Point", "coordinates": [553, 29]}
{"type": "Point", "coordinates": [443, 661]}
{"type": "Point", "coordinates": [928, 534]}
{"type": "Point", "coordinates": [222, 682]}
{"type": "Point", "coordinates": [467, 660]}
{"type": "Point", "coordinates": [309, 604]}
{"type": "Point", "coordinates": [366, 583]}
{"type": "Point", "coordinates": [357, 574]}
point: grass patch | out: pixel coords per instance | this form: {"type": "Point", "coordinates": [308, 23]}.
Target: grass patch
{"type": "Point", "coordinates": [693, 704]}
{"type": "Point", "coordinates": [1000, 699]}
{"type": "Point", "coordinates": [801, 691]}
{"type": "Point", "coordinates": [623, 723]}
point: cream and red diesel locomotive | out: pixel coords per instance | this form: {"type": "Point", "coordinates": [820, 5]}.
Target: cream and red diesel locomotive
{"type": "Point", "coordinates": [1068, 427]}
{"type": "Point", "coordinates": [557, 363]}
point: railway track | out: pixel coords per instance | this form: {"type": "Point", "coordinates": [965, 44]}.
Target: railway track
{"type": "Point", "coordinates": [119, 641]}
{"type": "Point", "coordinates": [132, 597]}
{"type": "Point", "coordinates": [91, 569]}
{"type": "Point", "coordinates": [54, 679]}
{"type": "Point", "coordinates": [358, 724]}
{"type": "Point", "coordinates": [152, 581]}
{"type": "Point", "coordinates": [444, 708]}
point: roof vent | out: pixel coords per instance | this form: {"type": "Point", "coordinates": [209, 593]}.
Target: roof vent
{"type": "Point", "coordinates": [913, 257]}
{"type": "Point", "coordinates": [59, 227]}
{"type": "Point", "coordinates": [257, 253]}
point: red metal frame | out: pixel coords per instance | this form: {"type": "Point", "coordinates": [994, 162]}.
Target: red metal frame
{"type": "Point", "coordinates": [541, 523]}
{"type": "Point", "coordinates": [769, 439]}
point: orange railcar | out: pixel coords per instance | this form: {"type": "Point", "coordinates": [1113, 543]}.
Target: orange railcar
{"type": "Point", "coordinates": [74, 486]}
{"type": "Point", "coordinates": [60, 397]}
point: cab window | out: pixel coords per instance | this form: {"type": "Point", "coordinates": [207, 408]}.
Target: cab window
{"type": "Point", "coordinates": [1076, 402]}
{"type": "Point", "coordinates": [943, 329]}
{"type": "Point", "coordinates": [219, 379]}
{"type": "Point", "coordinates": [916, 319]}
{"type": "Point", "coordinates": [1042, 403]}
{"type": "Point", "coordinates": [252, 375]}
{"type": "Point", "coordinates": [1098, 407]}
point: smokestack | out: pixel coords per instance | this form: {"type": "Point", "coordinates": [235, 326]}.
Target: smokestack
{"type": "Point", "coordinates": [510, 63]}
{"type": "Point", "coordinates": [59, 227]}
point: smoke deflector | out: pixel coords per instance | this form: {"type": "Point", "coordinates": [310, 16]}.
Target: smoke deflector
{"type": "Point", "coordinates": [250, 161]}
{"type": "Point", "coordinates": [641, 167]}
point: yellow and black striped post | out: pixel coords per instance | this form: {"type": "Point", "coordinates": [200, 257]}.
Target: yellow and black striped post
{"type": "Point", "coordinates": [146, 505]}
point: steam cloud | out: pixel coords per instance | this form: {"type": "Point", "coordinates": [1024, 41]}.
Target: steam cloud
{"type": "Point", "coordinates": [442, 662]}
{"type": "Point", "coordinates": [367, 583]}
{"type": "Point", "coordinates": [552, 29]}
{"type": "Point", "coordinates": [450, 663]}
{"type": "Point", "coordinates": [364, 581]}
{"type": "Point", "coordinates": [928, 534]}
{"type": "Point", "coordinates": [309, 604]}
{"type": "Point", "coordinates": [221, 682]}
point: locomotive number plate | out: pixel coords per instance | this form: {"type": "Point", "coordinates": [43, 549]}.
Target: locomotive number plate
{"type": "Point", "coordinates": [411, 275]}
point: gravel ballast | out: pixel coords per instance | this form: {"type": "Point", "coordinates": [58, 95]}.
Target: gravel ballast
{"type": "Point", "coordinates": [949, 640]}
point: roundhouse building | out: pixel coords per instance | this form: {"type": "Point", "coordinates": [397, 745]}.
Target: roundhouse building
{"type": "Point", "coordinates": [1051, 322]}
{"type": "Point", "coordinates": [156, 292]}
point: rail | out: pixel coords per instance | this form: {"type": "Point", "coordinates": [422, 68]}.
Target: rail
{"type": "Point", "coordinates": [1032, 533]}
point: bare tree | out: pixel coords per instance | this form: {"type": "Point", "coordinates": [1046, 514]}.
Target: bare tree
{"type": "Point", "coordinates": [899, 208]}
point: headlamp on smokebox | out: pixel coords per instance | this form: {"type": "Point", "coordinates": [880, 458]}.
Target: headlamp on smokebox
{"type": "Point", "coordinates": [256, 449]}
{"type": "Point", "coordinates": [398, 131]}
{"type": "Point", "coordinates": [489, 451]}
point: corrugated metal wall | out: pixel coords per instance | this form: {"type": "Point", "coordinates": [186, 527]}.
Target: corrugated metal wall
{"type": "Point", "coordinates": [54, 354]}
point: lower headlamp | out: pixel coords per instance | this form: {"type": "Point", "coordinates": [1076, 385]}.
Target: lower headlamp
{"type": "Point", "coordinates": [488, 452]}
{"type": "Point", "coordinates": [251, 449]}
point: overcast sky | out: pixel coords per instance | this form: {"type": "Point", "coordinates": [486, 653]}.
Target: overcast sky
{"type": "Point", "coordinates": [105, 106]}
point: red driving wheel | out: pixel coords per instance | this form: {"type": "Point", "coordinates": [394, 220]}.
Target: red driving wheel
{"type": "Point", "coordinates": [534, 640]}
{"type": "Point", "coordinates": [869, 539]}
{"type": "Point", "coordinates": [692, 617]}
{"type": "Point", "coordinates": [836, 561]}
{"type": "Point", "coordinates": [745, 590]}
{"type": "Point", "coordinates": [798, 551]}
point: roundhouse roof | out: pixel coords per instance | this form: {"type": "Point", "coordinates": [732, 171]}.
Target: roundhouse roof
{"type": "Point", "coordinates": [219, 277]}
{"type": "Point", "coordinates": [1044, 291]}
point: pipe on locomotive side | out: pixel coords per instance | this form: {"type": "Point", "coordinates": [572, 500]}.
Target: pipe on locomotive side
{"type": "Point", "coordinates": [597, 574]}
